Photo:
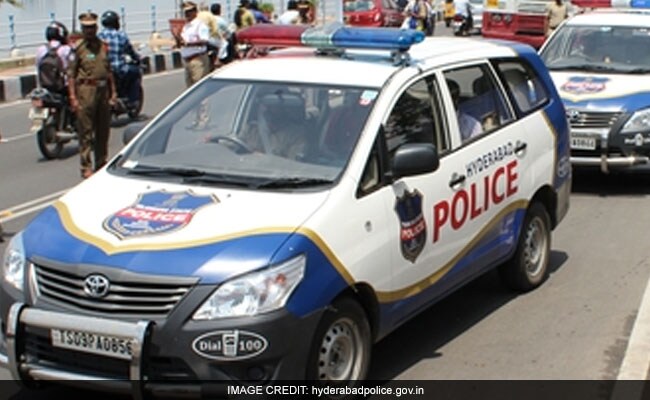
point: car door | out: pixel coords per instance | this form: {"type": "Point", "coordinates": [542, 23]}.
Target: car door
{"type": "Point", "coordinates": [421, 256]}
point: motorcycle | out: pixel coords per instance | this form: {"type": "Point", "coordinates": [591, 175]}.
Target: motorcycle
{"type": "Point", "coordinates": [52, 121]}
{"type": "Point", "coordinates": [130, 94]}
{"type": "Point", "coordinates": [462, 25]}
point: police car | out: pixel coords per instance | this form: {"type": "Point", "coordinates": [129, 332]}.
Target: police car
{"type": "Point", "coordinates": [600, 64]}
{"type": "Point", "coordinates": [288, 211]}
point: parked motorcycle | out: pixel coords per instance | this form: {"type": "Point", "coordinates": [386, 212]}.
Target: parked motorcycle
{"type": "Point", "coordinates": [52, 121]}
{"type": "Point", "coordinates": [130, 94]}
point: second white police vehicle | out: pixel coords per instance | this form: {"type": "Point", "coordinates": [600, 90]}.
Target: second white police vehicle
{"type": "Point", "coordinates": [600, 63]}
{"type": "Point", "coordinates": [288, 211]}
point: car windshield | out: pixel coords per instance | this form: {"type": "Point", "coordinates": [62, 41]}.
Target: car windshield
{"type": "Point", "coordinates": [247, 133]}
{"type": "Point", "coordinates": [358, 5]}
{"type": "Point", "coordinates": [608, 49]}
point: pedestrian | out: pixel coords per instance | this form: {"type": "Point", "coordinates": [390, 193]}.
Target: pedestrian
{"type": "Point", "coordinates": [244, 17]}
{"type": "Point", "coordinates": [226, 46]}
{"type": "Point", "coordinates": [91, 91]}
{"type": "Point", "coordinates": [193, 41]}
{"type": "Point", "coordinates": [416, 13]}
{"type": "Point", "coordinates": [557, 12]}
{"type": "Point", "coordinates": [260, 18]}
{"type": "Point", "coordinates": [291, 16]}
{"type": "Point", "coordinates": [215, 39]}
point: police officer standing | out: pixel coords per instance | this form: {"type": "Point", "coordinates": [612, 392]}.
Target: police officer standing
{"type": "Point", "coordinates": [92, 91]}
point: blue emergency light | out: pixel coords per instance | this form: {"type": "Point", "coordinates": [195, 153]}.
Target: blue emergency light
{"type": "Point", "coordinates": [331, 37]}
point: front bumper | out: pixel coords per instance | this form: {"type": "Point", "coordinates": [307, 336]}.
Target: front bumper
{"type": "Point", "coordinates": [196, 376]}
{"type": "Point", "coordinates": [612, 151]}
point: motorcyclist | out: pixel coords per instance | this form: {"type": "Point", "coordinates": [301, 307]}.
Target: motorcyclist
{"type": "Point", "coordinates": [119, 46]}
{"type": "Point", "coordinates": [464, 8]}
{"type": "Point", "coordinates": [56, 35]}
{"type": "Point", "coordinates": [51, 75]}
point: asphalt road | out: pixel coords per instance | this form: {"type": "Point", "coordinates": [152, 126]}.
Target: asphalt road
{"type": "Point", "coordinates": [576, 326]}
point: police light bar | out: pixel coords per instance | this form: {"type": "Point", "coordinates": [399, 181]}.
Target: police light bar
{"type": "Point", "coordinates": [330, 37]}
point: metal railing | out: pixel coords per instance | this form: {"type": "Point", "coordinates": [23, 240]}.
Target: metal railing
{"type": "Point", "coordinates": [27, 35]}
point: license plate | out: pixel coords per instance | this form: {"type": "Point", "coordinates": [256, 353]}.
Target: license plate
{"type": "Point", "coordinates": [110, 346]}
{"type": "Point", "coordinates": [38, 113]}
{"type": "Point", "coordinates": [583, 143]}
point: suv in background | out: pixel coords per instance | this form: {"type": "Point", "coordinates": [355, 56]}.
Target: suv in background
{"type": "Point", "coordinates": [600, 64]}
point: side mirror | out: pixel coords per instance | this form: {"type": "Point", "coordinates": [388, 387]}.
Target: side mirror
{"type": "Point", "coordinates": [131, 131]}
{"type": "Point", "coordinates": [415, 159]}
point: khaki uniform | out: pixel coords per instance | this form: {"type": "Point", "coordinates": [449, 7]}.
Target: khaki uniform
{"type": "Point", "coordinates": [90, 70]}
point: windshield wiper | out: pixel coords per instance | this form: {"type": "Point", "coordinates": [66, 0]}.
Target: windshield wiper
{"type": "Point", "coordinates": [584, 67]}
{"type": "Point", "coordinates": [293, 182]}
{"type": "Point", "coordinates": [218, 179]}
{"type": "Point", "coordinates": [639, 70]}
{"type": "Point", "coordinates": [169, 171]}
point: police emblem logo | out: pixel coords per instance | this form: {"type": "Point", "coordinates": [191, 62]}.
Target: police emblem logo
{"type": "Point", "coordinates": [413, 227]}
{"type": "Point", "coordinates": [584, 85]}
{"type": "Point", "coordinates": [156, 213]}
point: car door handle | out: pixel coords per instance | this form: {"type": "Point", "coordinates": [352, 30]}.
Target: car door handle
{"type": "Point", "coordinates": [456, 180]}
{"type": "Point", "coordinates": [520, 146]}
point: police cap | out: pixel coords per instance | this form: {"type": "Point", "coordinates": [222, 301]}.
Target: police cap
{"type": "Point", "coordinates": [189, 6]}
{"type": "Point", "coordinates": [88, 19]}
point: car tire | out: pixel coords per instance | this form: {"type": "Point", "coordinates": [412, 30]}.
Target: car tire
{"type": "Point", "coordinates": [528, 267]}
{"type": "Point", "coordinates": [340, 351]}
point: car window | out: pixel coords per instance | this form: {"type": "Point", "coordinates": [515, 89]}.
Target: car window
{"type": "Point", "coordinates": [416, 117]}
{"type": "Point", "coordinates": [524, 86]}
{"type": "Point", "coordinates": [611, 49]}
{"type": "Point", "coordinates": [358, 5]}
{"type": "Point", "coordinates": [479, 104]}
{"type": "Point", "coordinates": [257, 130]}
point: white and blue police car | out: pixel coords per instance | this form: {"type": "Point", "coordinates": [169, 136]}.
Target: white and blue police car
{"type": "Point", "coordinates": [600, 64]}
{"type": "Point", "coordinates": [290, 210]}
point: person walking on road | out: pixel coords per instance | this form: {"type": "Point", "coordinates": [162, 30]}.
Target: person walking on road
{"type": "Point", "coordinates": [91, 92]}
{"type": "Point", "coordinates": [557, 12]}
{"type": "Point", "coordinates": [193, 42]}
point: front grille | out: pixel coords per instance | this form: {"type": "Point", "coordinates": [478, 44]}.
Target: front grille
{"type": "Point", "coordinates": [38, 349]}
{"type": "Point", "coordinates": [586, 119]}
{"type": "Point", "coordinates": [150, 296]}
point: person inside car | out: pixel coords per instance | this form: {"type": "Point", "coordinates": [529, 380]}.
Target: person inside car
{"type": "Point", "coordinates": [469, 126]}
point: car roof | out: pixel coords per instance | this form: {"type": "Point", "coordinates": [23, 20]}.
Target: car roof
{"type": "Point", "coordinates": [612, 17]}
{"type": "Point", "coordinates": [365, 68]}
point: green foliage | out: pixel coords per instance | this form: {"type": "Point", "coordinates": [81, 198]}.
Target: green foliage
{"type": "Point", "coordinates": [267, 7]}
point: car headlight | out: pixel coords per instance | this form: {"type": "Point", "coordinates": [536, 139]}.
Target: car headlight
{"type": "Point", "coordinates": [13, 266]}
{"type": "Point", "coordinates": [255, 293]}
{"type": "Point", "coordinates": [638, 122]}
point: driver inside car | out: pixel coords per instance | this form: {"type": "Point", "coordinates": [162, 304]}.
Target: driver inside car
{"type": "Point", "coordinates": [276, 133]}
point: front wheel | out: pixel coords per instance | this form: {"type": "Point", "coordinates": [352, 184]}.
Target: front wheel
{"type": "Point", "coordinates": [340, 352]}
{"type": "Point", "coordinates": [48, 144]}
{"type": "Point", "coordinates": [528, 268]}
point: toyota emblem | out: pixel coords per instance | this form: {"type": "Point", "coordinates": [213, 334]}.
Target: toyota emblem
{"type": "Point", "coordinates": [96, 286]}
{"type": "Point", "coordinates": [573, 115]}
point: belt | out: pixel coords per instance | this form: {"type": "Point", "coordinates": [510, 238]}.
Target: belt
{"type": "Point", "coordinates": [193, 56]}
{"type": "Point", "coordinates": [92, 82]}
